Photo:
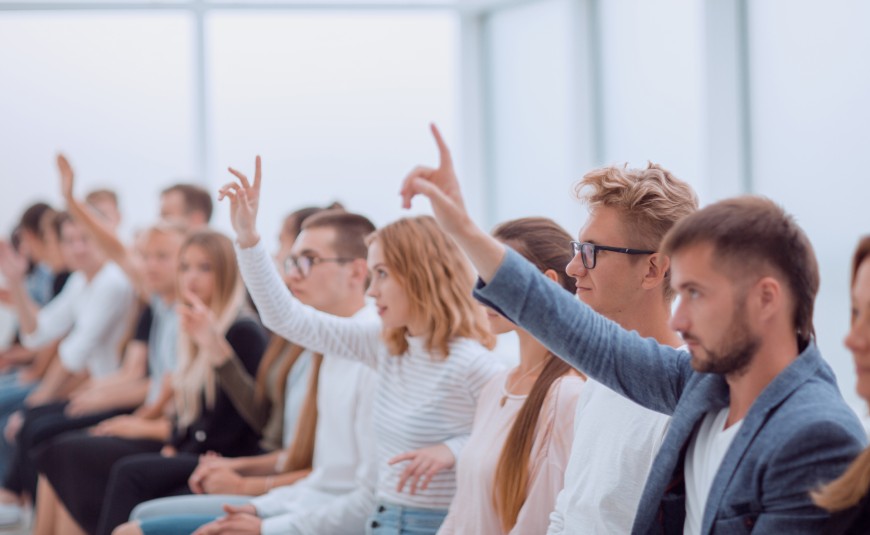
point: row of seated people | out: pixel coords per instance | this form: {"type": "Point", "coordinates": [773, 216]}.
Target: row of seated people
{"type": "Point", "coordinates": [391, 414]}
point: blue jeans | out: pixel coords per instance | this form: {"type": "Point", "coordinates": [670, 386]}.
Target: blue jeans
{"type": "Point", "coordinates": [399, 520]}
{"type": "Point", "coordinates": [174, 525]}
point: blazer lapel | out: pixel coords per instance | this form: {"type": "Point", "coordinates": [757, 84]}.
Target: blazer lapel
{"type": "Point", "coordinates": [775, 393]}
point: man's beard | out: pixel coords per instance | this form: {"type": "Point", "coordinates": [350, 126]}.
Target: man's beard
{"type": "Point", "coordinates": [738, 349]}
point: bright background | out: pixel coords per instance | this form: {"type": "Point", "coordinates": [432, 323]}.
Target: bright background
{"type": "Point", "coordinates": [769, 97]}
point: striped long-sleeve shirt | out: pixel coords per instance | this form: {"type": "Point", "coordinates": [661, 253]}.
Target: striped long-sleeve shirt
{"type": "Point", "coordinates": [421, 400]}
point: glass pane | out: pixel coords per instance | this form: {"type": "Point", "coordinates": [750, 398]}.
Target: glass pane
{"type": "Point", "coordinates": [113, 91]}
{"type": "Point", "coordinates": [337, 104]}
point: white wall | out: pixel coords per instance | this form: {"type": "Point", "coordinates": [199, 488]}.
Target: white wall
{"type": "Point", "coordinates": [113, 91]}
{"type": "Point", "coordinates": [810, 102]}
{"type": "Point", "coordinates": [337, 104]}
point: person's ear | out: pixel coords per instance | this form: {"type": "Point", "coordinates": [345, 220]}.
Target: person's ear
{"type": "Point", "coordinates": [657, 267]}
{"type": "Point", "coordinates": [552, 275]}
{"type": "Point", "coordinates": [768, 297]}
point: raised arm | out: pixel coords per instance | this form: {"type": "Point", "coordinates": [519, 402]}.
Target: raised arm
{"type": "Point", "coordinates": [104, 235]}
{"type": "Point", "coordinates": [441, 186]}
{"type": "Point", "coordinates": [642, 370]}
{"type": "Point", "coordinates": [282, 313]}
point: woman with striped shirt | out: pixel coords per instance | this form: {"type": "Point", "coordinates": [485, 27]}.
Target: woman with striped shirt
{"type": "Point", "coordinates": [430, 353]}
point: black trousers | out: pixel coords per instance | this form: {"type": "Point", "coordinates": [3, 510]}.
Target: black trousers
{"type": "Point", "coordinates": [78, 466]}
{"type": "Point", "coordinates": [42, 424]}
{"type": "Point", "coordinates": [139, 478]}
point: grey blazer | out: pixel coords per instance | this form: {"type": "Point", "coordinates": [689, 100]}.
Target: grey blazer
{"type": "Point", "coordinates": [797, 435]}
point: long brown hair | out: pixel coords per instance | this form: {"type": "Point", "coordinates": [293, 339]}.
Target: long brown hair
{"type": "Point", "coordinates": [300, 454]}
{"type": "Point", "coordinates": [546, 245]}
{"type": "Point", "coordinates": [193, 374]}
{"type": "Point", "coordinates": [438, 280]}
{"type": "Point", "coordinates": [848, 489]}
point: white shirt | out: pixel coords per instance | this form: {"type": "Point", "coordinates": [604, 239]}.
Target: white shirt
{"type": "Point", "coordinates": [703, 458]}
{"type": "Point", "coordinates": [420, 400]}
{"type": "Point", "coordinates": [615, 443]}
{"type": "Point", "coordinates": [339, 494]}
{"type": "Point", "coordinates": [92, 316]}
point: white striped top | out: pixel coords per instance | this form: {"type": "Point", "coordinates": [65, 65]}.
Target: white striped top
{"type": "Point", "coordinates": [420, 400]}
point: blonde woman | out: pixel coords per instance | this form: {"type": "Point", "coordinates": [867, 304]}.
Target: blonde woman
{"type": "Point", "coordinates": [96, 477]}
{"type": "Point", "coordinates": [513, 466]}
{"type": "Point", "coordinates": [847, 497]}
{"type": "Point", "coordinates": [430, 353]}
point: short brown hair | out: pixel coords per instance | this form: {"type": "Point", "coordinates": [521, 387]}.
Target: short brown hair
{"type": "Point", "coordinates": [750, 234]}
{"type": "Point", "coordinates": [649, 200]}
{"type": "Point", "coordinates": [351, 231]}
{"type": "Point", "coordinates": [196, 198]}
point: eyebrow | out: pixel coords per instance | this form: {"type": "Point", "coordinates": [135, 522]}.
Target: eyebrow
{"type": "Point", "coordinates": [378, 265]}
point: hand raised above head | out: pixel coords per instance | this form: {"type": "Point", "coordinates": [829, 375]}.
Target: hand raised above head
{"type": "Point", "coordinates": [244, 202]}
{"type": "Point", "coordinates": [67, 177]}
{"type": "Point", "coordinates": [440, 186]}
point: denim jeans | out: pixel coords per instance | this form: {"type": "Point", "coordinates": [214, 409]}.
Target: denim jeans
{"type": "Point", "coordinates": [399, 520]}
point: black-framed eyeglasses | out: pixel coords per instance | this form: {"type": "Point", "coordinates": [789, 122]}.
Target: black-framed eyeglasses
{"type": "Point", "coordinates": [589, 252]}
{"type": "Point", "coordinates": [304, 263]}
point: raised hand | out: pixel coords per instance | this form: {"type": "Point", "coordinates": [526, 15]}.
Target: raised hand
{"type": "Point", "coordinates": [244, 203]}
{"type": "Point", "coordinates": [67, 177]}
{"type": "Point", "coordinates": [422, 466]}
{"type": "Point", "coordinates": [440, 186]}
{"type": "Point", "coordinates": [13, 266]}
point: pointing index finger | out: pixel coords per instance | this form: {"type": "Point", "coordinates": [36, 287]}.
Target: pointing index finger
{"type": "Point", "coordinates": [258, 173]}
{"type": "Point", "coordinates": [443, 150]}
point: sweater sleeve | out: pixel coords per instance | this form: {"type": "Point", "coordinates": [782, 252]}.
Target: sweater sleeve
{"type": "Point", "coordinates": [354, 338]}
{"type": "Point", "coordinates": [240, 387]}
{"type": "Point", "coordinates": [648, 373]}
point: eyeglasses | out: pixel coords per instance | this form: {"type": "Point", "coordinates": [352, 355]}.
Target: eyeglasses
{"type": "Point", "coordinates": [589, 252]}
{"type": "Point", "coordinates": [304, 263]}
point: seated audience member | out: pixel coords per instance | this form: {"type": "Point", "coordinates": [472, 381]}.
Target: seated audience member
{"type": "Point", "coordinates": [513, 466]}
{"type": "Point", "coordinates": [105, 202]}
{"type": "Point", "coordinates": [334, 430]}
{"type": "Point", "coordinates": [756, 417]}
{"type": "Point", "coordinates": [848, 497]}
{"type": "Point", "coordinates": [91, 314]}
{"type": "Point", "coordinates": [430, 354]}
{"type": "Point", "coordinates": [33, 247]}
{"type": "Point", "coordinates": [186, 204]}
{"type": "Point", "coordinates": [628, 208]}
{"type": "Point", "coordinates": [87, 471]}
{"type": "Point", "coordinates": [292, 226]}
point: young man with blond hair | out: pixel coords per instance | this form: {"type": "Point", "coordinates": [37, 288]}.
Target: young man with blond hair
{"type": "Point", "coordinates": [620, 275]}
{"type": "Point", "coordinates": [757, 420]}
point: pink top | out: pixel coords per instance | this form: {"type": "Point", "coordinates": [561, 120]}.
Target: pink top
{"type": "Point", "coordinates": [472, 511]}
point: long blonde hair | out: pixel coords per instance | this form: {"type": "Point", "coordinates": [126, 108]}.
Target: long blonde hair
{"type": "Point", "coordinates": [194, 375]}
{"type": "Point", "coordinates": [438, 280]}
{"type": "Point", "coordinates": [847, 490]}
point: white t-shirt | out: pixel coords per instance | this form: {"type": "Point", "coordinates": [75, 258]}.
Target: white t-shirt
{"type": "Point", "coordinates": [705, 454]}
{"type": "Point", "coordinates": [92, 317]}
{"type": "Point", "coordinates": [615, 443]}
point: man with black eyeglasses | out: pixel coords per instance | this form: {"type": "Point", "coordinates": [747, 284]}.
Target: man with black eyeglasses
{"type": "Point", "coordinates": [757, 420]}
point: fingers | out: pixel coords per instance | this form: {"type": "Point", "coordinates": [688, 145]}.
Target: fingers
{"type": "Point", "coordinates": [230, 189]}
{"type": "Point", "coordinates": [443, 152]}
{"type": "Point", "coordinates": [407, 456]}
{"type": "Point", "coordinates": [407, 191]}
{"type": "Point", "coordinates": [242, 178]}
{"type": "Point", "coordinates": [427, 477]}
{"type": "Point", "coordinates": [258, 173]}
